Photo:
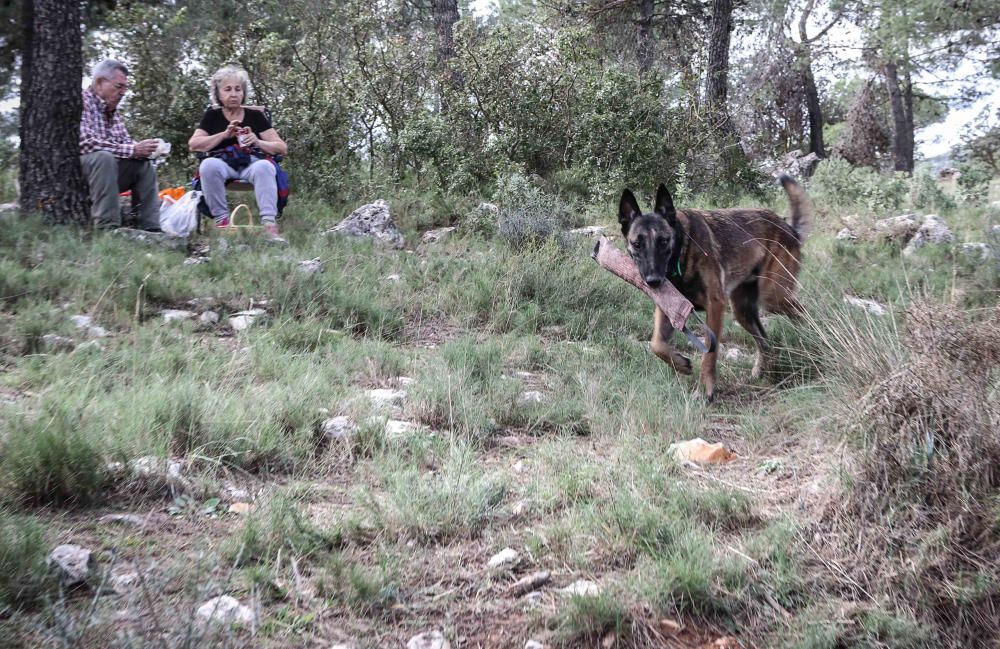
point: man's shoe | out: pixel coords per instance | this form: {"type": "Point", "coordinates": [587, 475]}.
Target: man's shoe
{"type": "Point", "coordinates": [222, 223]}
{"type": "Point", "coordinates": [156, 229]}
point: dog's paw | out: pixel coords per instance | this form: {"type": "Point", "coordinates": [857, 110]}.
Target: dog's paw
{"type": "Point", "coordinates": [682, 364]}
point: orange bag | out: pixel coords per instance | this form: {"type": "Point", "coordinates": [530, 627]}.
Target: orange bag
{"type": "Point", "coordinates": [174, 193]}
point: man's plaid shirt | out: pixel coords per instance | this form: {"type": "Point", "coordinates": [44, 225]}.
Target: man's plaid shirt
{"type": "Point", "coordinates": [103, 131]}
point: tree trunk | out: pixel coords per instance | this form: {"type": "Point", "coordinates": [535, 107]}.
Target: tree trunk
{"type": "Point", "coordinates": [717, 74]}
{"type": "Point", "coordinates": [645, 37]}
{"type": "Point", "coordinates": [731, 153]}
{"type": "Point", "coordinates": [901, 100]}
{"type": "Point", "coordinates": [812, 105]}
{"type": "Point", "coordinates": [51, 177]}
{"type": "Point", "coordinates": [445, 17]}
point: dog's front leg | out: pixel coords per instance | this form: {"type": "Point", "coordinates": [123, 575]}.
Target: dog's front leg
{"type": "Point", "coordinates": [714, 311]}
{"type": "Point", "coordinates": [660, 344]}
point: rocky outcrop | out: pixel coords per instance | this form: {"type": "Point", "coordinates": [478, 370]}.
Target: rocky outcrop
{"type": "Point", "coordinates": [372, 221]}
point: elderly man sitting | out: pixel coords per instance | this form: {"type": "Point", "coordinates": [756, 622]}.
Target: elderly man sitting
{"type": "Point", "coordinates": [113, 161]}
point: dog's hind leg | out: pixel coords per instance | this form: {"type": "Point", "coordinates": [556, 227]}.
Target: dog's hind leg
{"type": "Point", "coordinates": [660, 344]}
{"type": "Point", "coordinates": [746, 313]}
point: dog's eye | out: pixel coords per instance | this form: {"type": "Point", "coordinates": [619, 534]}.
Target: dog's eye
{"type": "Point", "coordinates": [662, 241]}
{"type": "Point", "coordinates": [638, 242]}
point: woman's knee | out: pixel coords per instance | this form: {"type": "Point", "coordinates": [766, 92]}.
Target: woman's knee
{"type": "Point", "coordinates": [213, 166]}
{"type": "Point", "coordinates": [262, 169]}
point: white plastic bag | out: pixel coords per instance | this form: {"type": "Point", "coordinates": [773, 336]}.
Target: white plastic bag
{"type": "Point", "coordinates": [181, 218]}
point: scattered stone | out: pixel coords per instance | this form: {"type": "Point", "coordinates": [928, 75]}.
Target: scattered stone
{"type": "Point", "coordinates": [209, 318]}
{"type": "Point", "coordinates": [933, 231]}
{"type": "Point", "coordinates": [534, 644]}
{"type": "Point", "coordinates": [533, 599]}
{"type": "Point", "coordinates": [124, 519]}
{"type": "Point", "coordinates": [518, 466]}
{"type": "Point", "coordinates": [8, 209]}
{"type": "Point", "coordinates": [899, 229]}
{"type": "Point", "coordinates": [394, 278]}
{"type": "Point", "coordinates": [374, 221]}
{"type": "Point", "coordinates": [386, 398]}
{"type": "Point", "coordinates": [983, 251]}
{"type": "Point", "coordinates": [505, 557]}
{"type": "Point", "coordinates": [160, 239]}
{"type": "Point", "coordinates": [243, 320]}
{"type": "Point", "coordinates": [97, 332]}
{"type": "Point", "coordinates": [592, 231]}
{"type": "Point", "coordinates": [234, 494]}
{"type": "Point", "coordinates": [86, 323]}
{"type": "Point", "coordinates": [431, 640]}
{"type": "Point", "coordinates": [396, 428]}
{"type": "Point", "coordinates": [531, 396]}
{"type": "Point", "coordinates": [670, 627]}
{"type": "Point", "coordinates": [436, 236]}
{"type": "Point", "coordinates": [871, 306]}
{"type": "Point", "coordinates": [339, 428]}
{"type": "Point", "coordinates": [173, 315]}
{"type": "Point", "coordinates": [310, 266]}
{"type": "Point", "coordinates": [72, 562]}
{"type": "Point", "coordinates": [520, 507]}
{"type": "Point", "coordinates": [225, 610]}
{"type": "Point", "coordinates": [241, 509]}
{"type": "Point", "coordinates": [194, 261]}
{"type": "Point", "coordinates": [90, 345]}
{"type": "Point", "coordinates": [733, 354]}
{"type": "Point", "coordinates": [846, 235]}
{"type": "Point", "coordinates": [581, 588]}
{"type": "Point", "coordinates": [151, 466]}
{"type": "Point", "coordinates": [124, 582]}
{"type": "Point", "coordinates": [698, 450]}
{"type": "Point", "coordinates": [528, 583]}
{"type": "Point", "coordinates": [57, 343]}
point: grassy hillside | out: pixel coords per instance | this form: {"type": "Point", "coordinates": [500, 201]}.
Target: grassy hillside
{"type": "Point", "coordinates": [862, 511]}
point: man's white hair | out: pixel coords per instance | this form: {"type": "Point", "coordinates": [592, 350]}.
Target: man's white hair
{"type": "Point", "coordinates": [228, 72]}
{"type": "Point", "coordinates": [106, 69]}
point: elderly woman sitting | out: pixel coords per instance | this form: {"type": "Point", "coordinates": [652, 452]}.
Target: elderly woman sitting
{"type": "Point", "coordinates": [241, 142]}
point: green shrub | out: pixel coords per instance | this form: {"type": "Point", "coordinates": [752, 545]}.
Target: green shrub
{"type": "Point", "coordinates": [23, 570]}
{"type": "Point", "coordinates": [49, 458]}
{"type": "Point", "coordinates": [530, 216]}
{"type": "Point", "coordinates": [279, 527]}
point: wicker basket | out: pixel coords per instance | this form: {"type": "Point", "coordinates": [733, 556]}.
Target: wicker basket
{"type": "Point", "coordinates": [235, 227]}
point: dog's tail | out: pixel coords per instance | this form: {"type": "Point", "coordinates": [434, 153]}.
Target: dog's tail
{"type": "Point", "coordinates": [800, 206]}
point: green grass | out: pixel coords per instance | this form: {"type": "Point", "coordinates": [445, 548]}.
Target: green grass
{"type": "Point", "coordinates": [466, 320]}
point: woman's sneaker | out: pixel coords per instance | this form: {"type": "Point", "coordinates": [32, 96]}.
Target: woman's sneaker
{"type": "Point", "coordinates": [222, 223]}
{"type": "Point", "coordinates": [271, 234]}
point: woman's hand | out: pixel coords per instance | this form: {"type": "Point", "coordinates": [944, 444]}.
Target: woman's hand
{"type": "Point", "coordinates": [248, 138]}
{"type": "Point", "coordinates": [233, 129]}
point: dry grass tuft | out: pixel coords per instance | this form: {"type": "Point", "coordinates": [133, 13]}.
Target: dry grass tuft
{"type": "Point", "coordinates": [929, 479]}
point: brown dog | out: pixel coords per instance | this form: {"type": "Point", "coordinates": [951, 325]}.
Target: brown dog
{"type": "Point", "coordinates": [750, 256]}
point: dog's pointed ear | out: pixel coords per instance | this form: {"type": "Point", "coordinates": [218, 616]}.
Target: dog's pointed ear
{"type": "Point", "coordinates": [665, 204]}
{"type": "Point", "coordinates": [628, 210]}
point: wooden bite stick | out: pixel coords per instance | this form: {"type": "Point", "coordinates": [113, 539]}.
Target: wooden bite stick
{"type": "Point", "coordinates": [675, 306]}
